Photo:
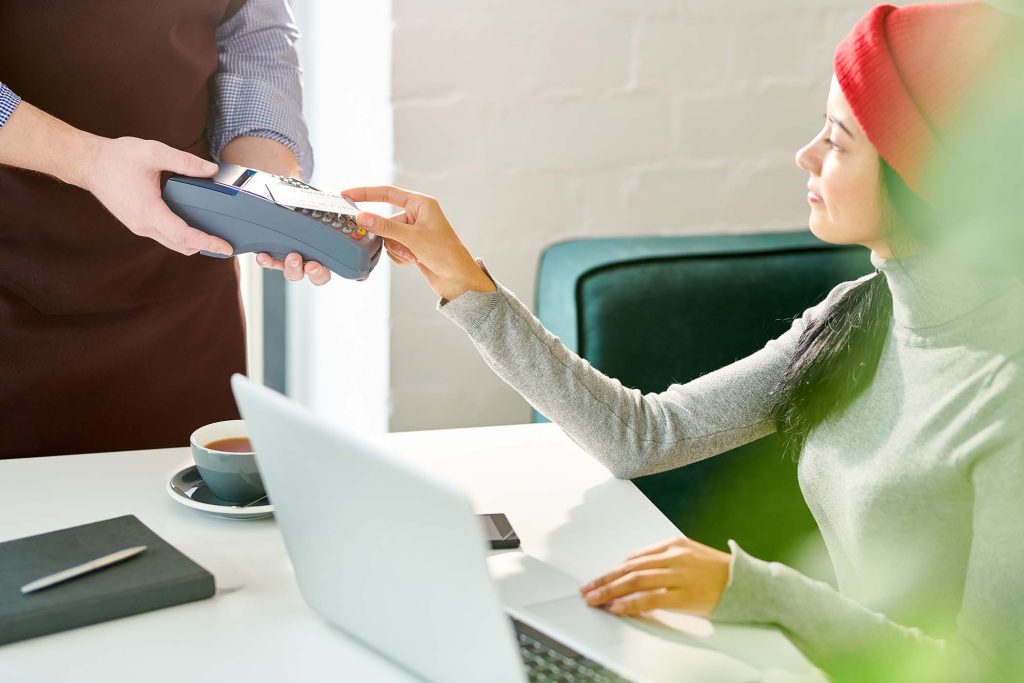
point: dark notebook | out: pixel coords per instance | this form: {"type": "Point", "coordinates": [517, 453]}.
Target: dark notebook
{"type": "Point", "coordinates": [159, 577]}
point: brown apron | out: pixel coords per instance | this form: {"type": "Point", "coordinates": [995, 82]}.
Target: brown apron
{"type": "Point", "coordinates": [109, 341]}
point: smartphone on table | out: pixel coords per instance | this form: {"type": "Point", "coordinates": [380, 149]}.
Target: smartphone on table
{"type": "Point", "coordinates": [499, 531]}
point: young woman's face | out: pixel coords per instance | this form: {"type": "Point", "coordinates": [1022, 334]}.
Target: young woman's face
{"type": "Point", "coordinates": [843, 188]}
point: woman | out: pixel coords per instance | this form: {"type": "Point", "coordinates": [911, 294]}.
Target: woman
{"type": "Point", "coordinates": [899, 392]}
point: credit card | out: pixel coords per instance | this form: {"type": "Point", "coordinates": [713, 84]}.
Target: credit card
{"type": "Point", "coordinates": [305, 198]}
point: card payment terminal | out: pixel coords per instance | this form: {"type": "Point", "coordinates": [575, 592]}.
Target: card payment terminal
{"type": "Point", "coordinates": [238, 205]}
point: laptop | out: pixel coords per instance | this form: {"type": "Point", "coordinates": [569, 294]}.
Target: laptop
{"type": "Point", "coordinates": [397, 559]}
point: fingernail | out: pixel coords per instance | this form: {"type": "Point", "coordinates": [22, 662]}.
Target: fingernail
{"type": "Point", "coordinates": [293, 264]}
{"type": "Point", "coordinates": [617, 608]}
{"type": "Point", "coordinates": [592, 596]}
{"type": "Point", "coordinates": [365, 220]}
{"type": "Point", "coordinates": [315, 271]}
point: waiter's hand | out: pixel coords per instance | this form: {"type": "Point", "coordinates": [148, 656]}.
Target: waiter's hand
{"type": "Point", "coordinates": [294, 268]}
{"type": "Point", "coordinates": [123, 173]}
{"type": "Point", "coordinates": [125, 176]}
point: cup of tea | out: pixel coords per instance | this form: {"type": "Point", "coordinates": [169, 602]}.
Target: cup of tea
{"type": "Point", "coordinates": [226, 461]}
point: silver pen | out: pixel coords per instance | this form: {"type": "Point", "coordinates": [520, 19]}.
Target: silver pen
{"type": "Point", "coordinates": [90, 566]}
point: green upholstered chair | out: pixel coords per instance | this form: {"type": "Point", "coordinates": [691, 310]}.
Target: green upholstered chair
{"type": "Point", "coordinates": [652, 311]}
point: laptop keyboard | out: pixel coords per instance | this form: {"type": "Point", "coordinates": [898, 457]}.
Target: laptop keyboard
{"type": "Point", "coordinates": [548, 661]}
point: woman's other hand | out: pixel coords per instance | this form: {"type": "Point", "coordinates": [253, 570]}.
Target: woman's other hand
{"type": "Point", "coordinates": [677, 574]}
{"type": "Point", "coordinates": [420, 234]}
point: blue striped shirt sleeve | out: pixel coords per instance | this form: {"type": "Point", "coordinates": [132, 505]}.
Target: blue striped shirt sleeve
{"type": "Point", "coordinates": [8, 103]}
{"type": "Point", "coordinates": [258, 86]}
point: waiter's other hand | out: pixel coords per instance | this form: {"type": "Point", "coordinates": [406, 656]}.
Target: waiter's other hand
{"type": "Point", "coordinates": [294, 268]}
{"type": "Point", "coordinates": [273, 157]}
{"type": "Point", "coordinates": [421, 234]}
{"type": "Point", "coordinates": [125, 176]}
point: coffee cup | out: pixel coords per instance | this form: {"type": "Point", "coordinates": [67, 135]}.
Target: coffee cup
{"type": "Point", "coordinates": [226, 461]}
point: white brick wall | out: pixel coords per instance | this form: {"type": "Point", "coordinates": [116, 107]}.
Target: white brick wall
{"type": "Point", "coordinates": [607, 117]}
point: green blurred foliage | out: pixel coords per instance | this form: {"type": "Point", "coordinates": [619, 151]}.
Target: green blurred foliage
{"type": "Point", "coordinates": [976, 187]}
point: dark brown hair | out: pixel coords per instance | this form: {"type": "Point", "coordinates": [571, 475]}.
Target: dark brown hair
{"type": "Point", "coordinates": [837, 354]}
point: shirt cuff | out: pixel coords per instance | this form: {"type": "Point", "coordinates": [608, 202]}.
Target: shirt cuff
{"type": "Point", "coordinates": [304, 156]}
{"type": "Point", "coordinates": [8, 103]}
{"type": "Point", "coordinates": [247, 107]}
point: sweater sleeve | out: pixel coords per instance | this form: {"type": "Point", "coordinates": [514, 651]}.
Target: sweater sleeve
{"type": "Point", "coordinates": [849, 640]}
{"type": "Point", "coordinates": [630, 433]}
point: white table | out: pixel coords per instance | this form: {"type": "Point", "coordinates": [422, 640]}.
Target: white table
{"type": "Point", "coordinates": [566, 508]}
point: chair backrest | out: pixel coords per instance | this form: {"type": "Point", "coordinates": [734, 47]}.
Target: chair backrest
{"type": "Point", "coordinates": [653, 311]}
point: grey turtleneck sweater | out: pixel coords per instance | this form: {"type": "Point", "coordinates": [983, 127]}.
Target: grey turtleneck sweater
{"type": "Point", "coordinates": [917, 488]}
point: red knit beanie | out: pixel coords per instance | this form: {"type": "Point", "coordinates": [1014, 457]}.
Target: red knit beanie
{"type": "Point", "coordinates": [906, 72]}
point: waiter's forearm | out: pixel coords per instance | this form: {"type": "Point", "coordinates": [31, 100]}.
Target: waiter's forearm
{"type": "Point", "coordinates": [262, 154]}
{"type": "Point", "coordinates": [34, 140]}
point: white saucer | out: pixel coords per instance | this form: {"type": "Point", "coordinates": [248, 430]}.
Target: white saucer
{"type": "Point", "coordinates": [189, 489]}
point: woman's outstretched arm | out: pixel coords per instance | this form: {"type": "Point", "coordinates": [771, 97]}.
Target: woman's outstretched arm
{"type": "Point", "coordinates": [630, 433]}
